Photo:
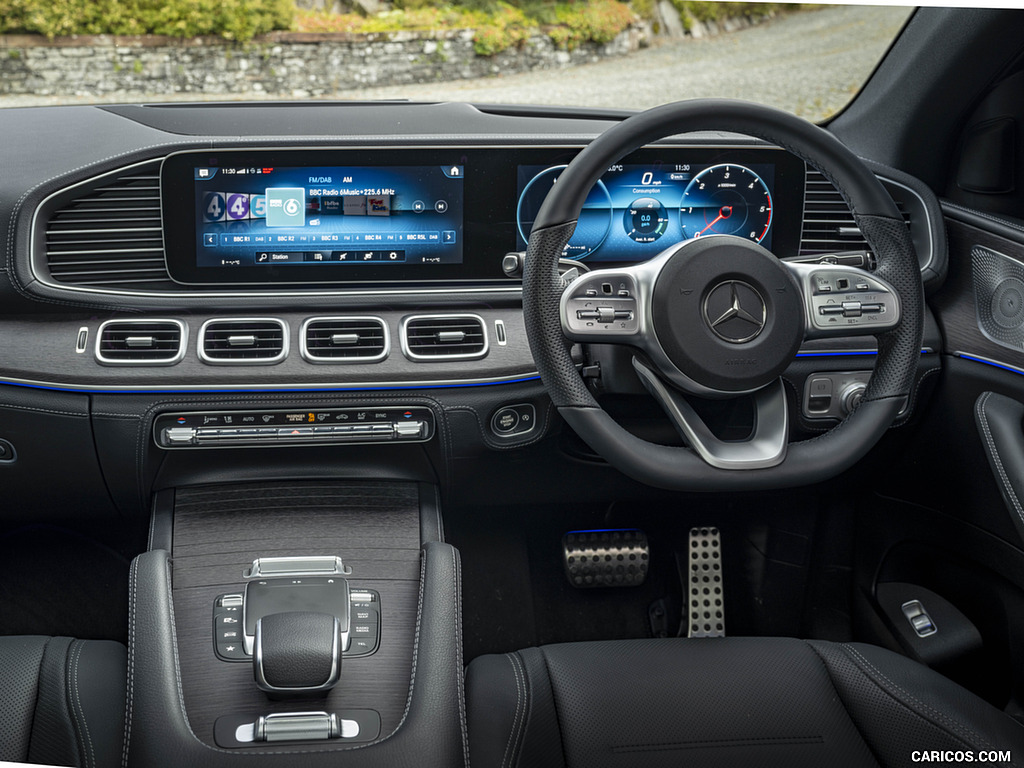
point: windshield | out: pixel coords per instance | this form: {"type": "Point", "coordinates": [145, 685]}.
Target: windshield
{"type": "Point", "coordinates": [809, 60]}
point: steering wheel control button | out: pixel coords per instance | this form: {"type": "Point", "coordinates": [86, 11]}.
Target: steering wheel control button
{"type": "Point", "coordinates": [514, 420]}
{"type": "Point", "coordinates": [834, 395]}
{"type": "Point", "coordinates": [594, 305]}
{"type": "Point", "coordinates": [606, 558]}
{"type": "Point", "coordinates": [844, 300]}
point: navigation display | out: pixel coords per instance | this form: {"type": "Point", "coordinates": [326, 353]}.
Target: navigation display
{"type": "Point", "coordinates": [348, 217]}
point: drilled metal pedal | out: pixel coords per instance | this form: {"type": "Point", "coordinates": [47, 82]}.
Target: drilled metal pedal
{"type": "Point", "coordinates": [706, 616]}
{"type": "Point", "coordinates": [608, 558]}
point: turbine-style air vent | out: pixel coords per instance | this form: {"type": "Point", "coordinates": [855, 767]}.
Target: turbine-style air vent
{"type": "Point", "coordinates": [444, 337]}
{"type": "Point", "coordinates": [344, 340]}
{"type": "Point", "coordinates": [110, 235]}
{"type": "Point", "coordinates": [829, 226]}
{"type": "Point", "coordinates": [243, 341]}
{"type": "Point", "coordinates": [141, 342]}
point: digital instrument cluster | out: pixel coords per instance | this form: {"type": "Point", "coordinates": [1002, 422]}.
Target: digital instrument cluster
{"type": "Point", "coordinates": [635, 211]}
{"type": "Point", "coordinates": [444, 215]}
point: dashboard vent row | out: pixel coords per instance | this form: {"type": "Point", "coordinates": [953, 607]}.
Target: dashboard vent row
{"type": "Point", "coordinates": [247, 341]}
{"type": "Point", "coordinates": [110, 235]}
{"type": "Point", "coordinates": [445, 337]}
{"type": "Point", "coordinates": [141, 342]}
{"type": "Point", "coordinates": [829, 226]}
{"type": "Point", "coordinates": [265, 340]}
{"type": "Point", "coordinates": [342, 339]}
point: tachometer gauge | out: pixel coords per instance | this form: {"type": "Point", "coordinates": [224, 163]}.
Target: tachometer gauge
{"type": "Point", "coordinates": [592, 225]}
{"type": "Point", "coordinates": [645, 220]}
{"type": "Point", "coordinates": [726, 200]}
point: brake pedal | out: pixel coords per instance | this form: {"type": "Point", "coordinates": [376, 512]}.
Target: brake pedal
{"type": "Point", "coordinates": [706, 616]}
{"type": "Point", "coordinates": [607, 558]}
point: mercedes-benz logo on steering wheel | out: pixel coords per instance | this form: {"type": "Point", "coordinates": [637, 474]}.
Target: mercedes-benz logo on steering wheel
{"type": "Point", "coordinates": [735, 311]}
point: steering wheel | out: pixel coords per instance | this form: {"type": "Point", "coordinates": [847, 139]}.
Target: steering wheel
{"type": "Point", "coordinates": [720, 316]}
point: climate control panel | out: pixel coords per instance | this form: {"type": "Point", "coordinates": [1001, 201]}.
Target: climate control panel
{"type": "Point", "coordinates": [300, 426]}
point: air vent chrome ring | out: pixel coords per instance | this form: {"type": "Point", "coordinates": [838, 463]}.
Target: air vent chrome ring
{"type": "Point", "coordinates": [245, 337]}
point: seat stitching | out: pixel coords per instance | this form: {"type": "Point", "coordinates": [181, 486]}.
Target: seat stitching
{"type": "Point", "coordinates": [959, 731]}
{"type": "Point", "coordinates": [994, 454]}
{"type": "Point", "coordinates": [513, 731]}
{"type": "Point", "coordinates": [824, 665]}
{"type": "Point", "coordinates": [460, 666]}
{"type": "Point", "coordinates": [78, 647]}
{"type": "Point", "coordinates": [39, 680]}
{"type": "Point", "coordinates": [129, 697]}
{"type": "Point", "coordinates": [554, 700]}
{"type": "Point", "coordinates": [517, 751]}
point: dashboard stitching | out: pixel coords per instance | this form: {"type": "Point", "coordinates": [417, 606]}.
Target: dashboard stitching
{"type": "Point", "coordinates": [994, 455]}
{"type": "Point", "coordinates": [982, 215]}
{"type": "Point", "coordinates": [44, 410]}
{"type": "Point", "coordinates": [964, 734]}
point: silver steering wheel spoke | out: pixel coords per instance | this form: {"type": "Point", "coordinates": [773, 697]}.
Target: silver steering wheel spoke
{"type": "Point", "coordinates": [844, 301]}
{"type": "Point", "coordinates": [766, 446]}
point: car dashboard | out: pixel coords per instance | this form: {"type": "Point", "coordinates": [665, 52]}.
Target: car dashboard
{"type": "Point", "coordinates": [213, 313]}
{"type": "Point", "coordinates": [419, 220]}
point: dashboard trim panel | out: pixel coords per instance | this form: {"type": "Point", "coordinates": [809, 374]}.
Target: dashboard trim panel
{"type": "Point", "coordinates": [37, 253]}
{"type": "Point", "coordinates": [357, 386]}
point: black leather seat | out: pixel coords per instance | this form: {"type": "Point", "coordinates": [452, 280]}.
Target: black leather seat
{"type": "Point", "coordinates": [62, 700]}
{"type": "Point", "coordinates": [732, 702]}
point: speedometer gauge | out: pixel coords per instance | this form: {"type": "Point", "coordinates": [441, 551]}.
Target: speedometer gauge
{"type": "Point", "coordinates": [726, 200]}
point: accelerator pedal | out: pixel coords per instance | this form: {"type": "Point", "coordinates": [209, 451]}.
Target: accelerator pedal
{"type": "Point", "coordinates": [706, 616]}
{"type": "Point", "coordinates": [606, 558]}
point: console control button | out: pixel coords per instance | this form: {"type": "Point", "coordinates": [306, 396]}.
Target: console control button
{"type": "Point", "coordinates": [293, 427]}
{"type": "Point", "coordinates": [514, 420]}
{"type": "Point", "coordinates": [364, 629]}
{"type": "Point", "coordinates": [505, 421]}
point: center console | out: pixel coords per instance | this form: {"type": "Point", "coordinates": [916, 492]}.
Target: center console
{"type": "Point", "coordinates": [285, 622]}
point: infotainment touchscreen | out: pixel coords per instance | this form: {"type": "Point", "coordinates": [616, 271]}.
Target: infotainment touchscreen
{"type": "Point", "coordinates": [439, 215]}
{"type": "Point", "coordinates": [260, 221]}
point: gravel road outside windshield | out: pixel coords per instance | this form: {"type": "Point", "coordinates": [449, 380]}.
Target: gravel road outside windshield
{"type": "Point", "coordinates": [810, 63]}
